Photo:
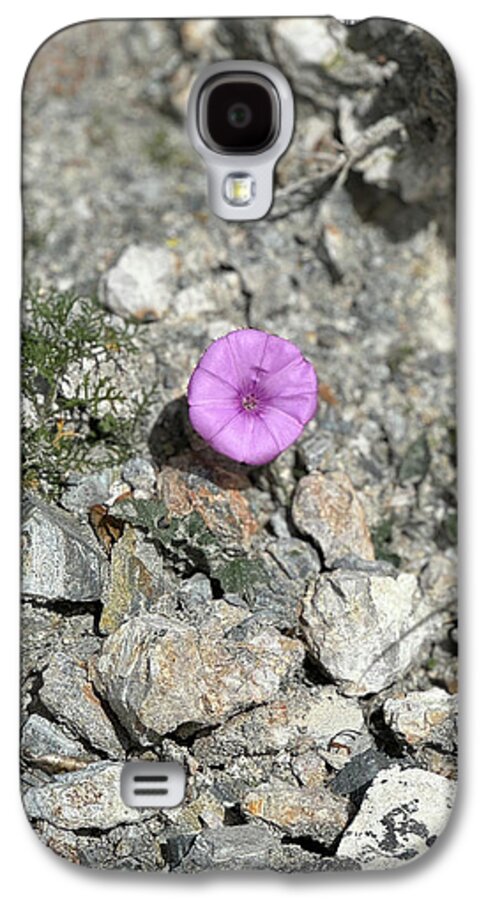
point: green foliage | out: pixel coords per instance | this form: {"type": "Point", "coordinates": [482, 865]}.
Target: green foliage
{"type": "Point", "coordinates": [240, 575]}
{"type": "Point", "coordinates": [185, 540]}
{"type": "Point", "coordinates": [446, 534]}
{"type": "Point", "coordinates": [66, 430]}
{"type": "Point", "coordinates": [151, 515]}
{"type": "Point", "coordinates": [163, 151]}
{"type": "Point", "coordinates": [399, 355]}
{"type": "Point", "coordinates": [382, 537]}
{"type": "Point", "coordinates": [190, 545]}
{"type": "Point", "coordinates": [416, 461]}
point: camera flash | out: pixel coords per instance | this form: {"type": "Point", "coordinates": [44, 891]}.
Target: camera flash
{"type": "Point", "coordinates": [239, 190]}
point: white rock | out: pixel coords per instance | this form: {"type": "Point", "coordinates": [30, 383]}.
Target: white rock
{"type": "Point", "coordinates": [141, 283]}
{"type": "Point", "coordinates": [402, 814]}
{"type": "Point", "coordinates": [365, 630]}
{"type": "Point", "coordinates": [311, 41]}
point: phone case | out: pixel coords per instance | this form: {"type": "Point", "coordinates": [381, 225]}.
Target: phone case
{"type": "Point", "coordinates": [285, 630]}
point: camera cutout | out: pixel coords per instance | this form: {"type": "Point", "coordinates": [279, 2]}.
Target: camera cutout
{"type": "Point", "coordinates": [240, 120]}
{"type": "Point", "coordinates": [238, 113]}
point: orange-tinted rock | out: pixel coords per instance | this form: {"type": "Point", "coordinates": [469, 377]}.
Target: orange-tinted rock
{"type": "Point", "coordinates": [327, 509]}
{"type": "Point", "coordinates": [216, 493]}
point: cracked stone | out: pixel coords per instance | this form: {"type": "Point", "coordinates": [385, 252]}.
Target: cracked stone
{"type": "Point", "coordinates": [402, 814]}
{"type": "Point", "coordinates": [60, 560]}
{"type": "Point", "coordinates": [249, 846]}
{"type": "Point", "coordinates": [288, 565]}
{"type": "Point", "coordinates": [326, 508]}
{"type": "Point", "coordinates": [44, 632]}
{"type": "Point", "coordinates": [423, 717]}
{"type": "Point", "coordinates": [299, 811]}
{"type": "Point", "coordinates": [366, 630]}
{"type": "Point", "coordinates": [123, 847]}
{"type": "Point", "coordinates": [87, 799]}
{"type": "Point", "coordinates": [300, 719]}
{"type": "Point", "coordinates": [158, 674]}
{"type": "Point", "coordinates": [68, 694]}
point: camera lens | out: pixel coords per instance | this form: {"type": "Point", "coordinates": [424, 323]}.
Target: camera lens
{"type": "Point", "coordinates": [238, 113]}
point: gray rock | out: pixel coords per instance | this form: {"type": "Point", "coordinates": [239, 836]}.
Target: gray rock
{"type": "Point", "coordinates": [402, 814]}
{"type": "Point", "coordinates": [243, 847]}
{"type": "Point", "coordinates": [295, 559]}
{"type": "Point", "coordinates": [140, 475]}
{"type": "Point", "coordinates": [424, 717]}
{"type": "Point", "coordinates": [86, 490]}
{"type": "Point", "coordinates": [195, 600]}
{"type": "Point", "coordinates": [123, 847]}
{"type": "Point", "coordinates": [317, 449]}
{"type": "Point", "coordinates": [87, 799]}
{"type": "Point", "coordinates": [45, 745]}
{"type": "Point", "coordinates": [225, 849]}
{"type": "Point", "coordinates": [158, 673]}
{"type": "Point", "coordinates": [366, 630]}
{"type": "Point", "coordinates": [136, 578]}
{"type": "Point", "coordinates": [60, 559]}
{"type": "Point", "coordinates": [68, 694]}
{"type": "Point", "coordinates": [439, 578]}
{"type": "Point", "coordinates": [313, 46]}
{"type": "Point", "coordinates": [289, 565]}
{"type": "Point", "coordinates": [44, 631]}
{"type": "Point", "coordinates": [360, 771]}
{"type": "Point", "coordinates": [300, 719]}
{"type": "Point", "coordinates": [141, 283]}
{"type": "Point", "coordinates": [327, 509]}
{"type": "Point", "coordinates": [298, 811]}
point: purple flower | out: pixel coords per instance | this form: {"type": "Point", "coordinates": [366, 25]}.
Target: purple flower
{"type": "Point", "coordinates": [251, 395]}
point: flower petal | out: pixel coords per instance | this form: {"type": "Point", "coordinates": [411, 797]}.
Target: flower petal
{"type": "Point", "coordinates": [210, 420]}
{"type": "Point", "coordinates": [234, 439]}
{"type": "Point", "coordinates": [278, 354]}
{"type": "Point", "coordinates": [236, 356]}
{"type": "Point", "coordinates": [298, 377]}
{"type": "Point", "coordinates": [284, 385]}
{"type": "Point", "coordinates": [301, 407]}
{"type": "Point", "coordinates": [284, 428]}
{"type": "Point", "coordinates": [248, 348]}
{"type": "Point", "coordinates": [248, 440]}
{"type": "Point", "coordinates": [220, 360]}
{"type": "Point", "coordinates": [207, 386]}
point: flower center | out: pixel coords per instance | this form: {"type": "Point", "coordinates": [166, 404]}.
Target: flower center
{"type": "Point", "coordinates": [249, 402]}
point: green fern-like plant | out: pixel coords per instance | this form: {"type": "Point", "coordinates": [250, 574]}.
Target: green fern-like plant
{"type": "Point", "coordinates": [65, 431]}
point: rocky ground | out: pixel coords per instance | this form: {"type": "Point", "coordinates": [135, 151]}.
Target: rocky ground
{"type": "Point", "coordinates": [287, 633]}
